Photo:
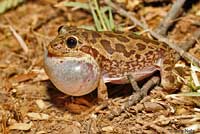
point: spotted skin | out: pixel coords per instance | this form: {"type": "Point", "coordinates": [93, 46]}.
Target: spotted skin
{"type": "Point", "coordinates": [119, 54]}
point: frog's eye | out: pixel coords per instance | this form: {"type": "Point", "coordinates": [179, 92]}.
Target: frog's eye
{"type": "Point", "coordinates": [71, 42]}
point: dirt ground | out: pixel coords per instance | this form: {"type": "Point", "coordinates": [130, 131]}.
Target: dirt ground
{"type": "Point", "coordinates": [29, 103]}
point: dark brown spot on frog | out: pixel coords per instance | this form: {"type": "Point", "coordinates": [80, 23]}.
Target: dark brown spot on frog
{"type": "Point", "coordinates": [95, 35]}
{"type": "Point", "coordinates": [122, 38]}
{"type": "Point", "coordinates": [106, 45]}
{"type": "Point", "coordinates": [133, 36]}
{"type": "Point", "coordinates": [61, 61]}
{"type": "Point", "coordinates": [147, 40]}
{"type": "Point", "coordinates": [163, 45]}
{"type": "Point", "coordinates": [85, 35]}
{"type": "Point", "coordinates": [162, 50]}
{"type": "Point", "coordinates": [150, 47]}
{"type": "Point", "coordinates": [105, 42]}
{"type": "Point", "coordinates": [119, 32]}
{"type": "Point", "coordinates": [137, 56]}
{"type": "Point", "coordinates": [143, 38]}
{"type": "Point", "coordinates": [93, 52]}
{"type": "Point", "coordinates": [85, 49]}
{"type": "Point", "coordinates": [93, 41]}
{"type": "Point", "coordinates": [140, 46]}
{"type": "Point", "coordinates": [122, 49]}
{"type": "Point", "coordinates": [89, 50]}
{"type": "Point", "coordinates": [111, 35]}
{"type": "Point", "coordinates": [150, 52]}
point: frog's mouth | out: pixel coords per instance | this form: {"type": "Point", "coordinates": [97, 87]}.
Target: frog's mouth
{"type": "Point", "coordinates": [73, 74]}
{"type": "Point", "coordinates": [70, 53]}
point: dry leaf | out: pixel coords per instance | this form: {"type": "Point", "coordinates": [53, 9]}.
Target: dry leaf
{"type": "Point", "coordinates": [41, 132]}
{"type": "Point", "coordinates": [71, 129]}
{"type": "Point", "coordinates": [41, 75]}
{"type": "Point", "coordinates": [40, 104]}
{"type": "Point", "coordinates": [153, 106]}
{"type": "Point", "coordinates": [21, 126]}
{"type": "Point", "coordinates": [38, 116]}
{"type": "Point", "coordinates": [23, 77]}
{"type": "Point", "coordinates": [108, 129]}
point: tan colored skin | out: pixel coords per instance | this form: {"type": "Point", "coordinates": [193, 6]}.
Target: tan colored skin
{"type": "Point", "coordinates": [117, 54]}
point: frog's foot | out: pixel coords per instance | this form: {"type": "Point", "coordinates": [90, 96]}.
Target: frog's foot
{"type": "Point", "coordinates": [169, 81]}
{"type": "Point", "coordinates": [102, 93]}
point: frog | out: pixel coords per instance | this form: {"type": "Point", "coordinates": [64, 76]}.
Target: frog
{"type": "Point", "coordinates": [78, 60]}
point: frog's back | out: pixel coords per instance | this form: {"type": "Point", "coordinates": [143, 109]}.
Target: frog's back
{"type": "Point", "coordinates": [121, 52]}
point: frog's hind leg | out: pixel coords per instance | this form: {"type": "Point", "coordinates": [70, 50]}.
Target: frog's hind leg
{"type": "Point", "coordinates": [135, 97]}
{"type": "Point", "coordinates": [133, 82]}
{"type": "Point", "coordinates": [168, 78]}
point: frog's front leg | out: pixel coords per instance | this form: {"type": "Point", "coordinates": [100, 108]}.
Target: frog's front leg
{"type": "Point", "coordinates": [102, 93]}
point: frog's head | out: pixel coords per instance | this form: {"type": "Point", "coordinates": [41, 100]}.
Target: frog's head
{"type": "Point", "coordinates": [68, 42]}
{"type": "Point", "coordinates": [71, 70]}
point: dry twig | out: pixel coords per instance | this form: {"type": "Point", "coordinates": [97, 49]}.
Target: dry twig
{"type": "Point", "coordinates": [19, 39]}
{"type": "Point", "coordinates": [174, 12]}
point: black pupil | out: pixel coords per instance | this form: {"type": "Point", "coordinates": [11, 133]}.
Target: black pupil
{"type": "Point", "coordinates": [71, 42]}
